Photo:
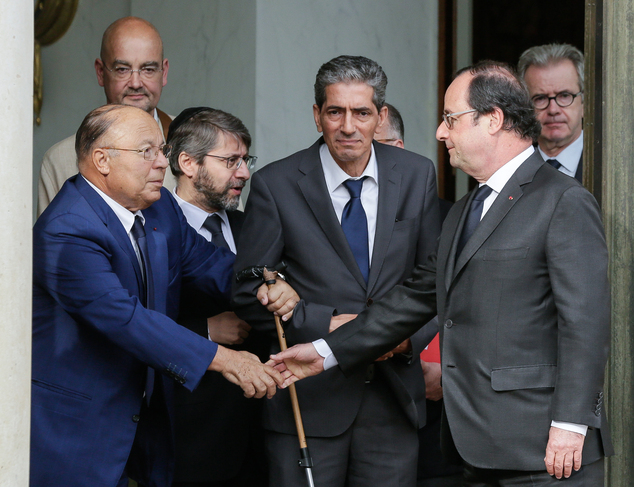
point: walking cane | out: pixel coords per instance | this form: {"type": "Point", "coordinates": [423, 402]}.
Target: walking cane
{"type": "Point", "coordinates": [305, 461]}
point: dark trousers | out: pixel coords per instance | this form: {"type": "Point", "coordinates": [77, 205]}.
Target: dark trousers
{"type": "Point", "coordinates": [379, 449]}
{"type": "Point", "coordinates": [588, 476]}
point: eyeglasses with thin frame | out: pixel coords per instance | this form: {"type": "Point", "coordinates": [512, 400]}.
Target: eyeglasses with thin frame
{"type": "Point", "coordinates": [149, 153]}
{"type": "Point", "coordinates": [563, 99]}
{"type": "Point", "coordinates": [450, 118]}
{"type": "Point", "coordinates": [385, 141]}
{"type": "Point", "coordinates": [235, 162]}
{"type": "Point", "coordinates": [123, 72]}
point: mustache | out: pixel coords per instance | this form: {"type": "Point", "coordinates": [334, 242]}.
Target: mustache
{"type": "Point", "coordinates": [239, 183]}
{"type": "Point", "coordinates": [136, 91]}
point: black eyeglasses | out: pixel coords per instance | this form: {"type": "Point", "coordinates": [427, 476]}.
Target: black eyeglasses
{"type": "Point", "coordinates": [563, 99]}
{"type": "Point", "coordinates": [235, 162]}
{"type": "Point", "coordinates": [149, 153]}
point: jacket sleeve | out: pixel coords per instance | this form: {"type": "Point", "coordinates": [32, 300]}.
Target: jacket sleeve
{"type": "Point", "coordinates": [75, 264]}
{"type": "Point", "coordinates": [577, 261]}
{"type": "Point", "coordinates": [262, 243]}
{"type": "Point", "coordinates": [389, 321]}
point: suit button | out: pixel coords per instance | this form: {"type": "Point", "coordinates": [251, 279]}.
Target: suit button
{"type": "Point", "coordinates": [136, 418]}
{"type": "Point", "coordinates": [369, 302]}
{"type": "Point", "coordinates": [181, 380]}
{"type": "Point", "coordinates": [448, 324]}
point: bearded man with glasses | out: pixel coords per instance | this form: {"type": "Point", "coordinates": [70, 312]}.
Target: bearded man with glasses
{"type": "Point", "coordinates": [553, 74]}
{"type": "Point", "coordinates": [132, 71]}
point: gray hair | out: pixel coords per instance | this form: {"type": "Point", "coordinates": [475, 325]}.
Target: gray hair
{"type": "Point", "coordinates": [350, 69]}
{"type": "Point", "coordinates": [94, 127]}
{"type": "Point", "coordinates": [200, 133]}
{"type": "Point", "coordinates": [395, 125]}
{"type": "Point", "coordinates": [547, 54]}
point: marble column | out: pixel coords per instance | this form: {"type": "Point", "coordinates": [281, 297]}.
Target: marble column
{"type": "Point", "coordinates": [16, 143]}
{"type": "Point", "coordinates": [618, 209]}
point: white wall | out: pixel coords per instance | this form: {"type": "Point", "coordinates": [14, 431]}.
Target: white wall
{"type": "Point", "coordinates": [295, 38]}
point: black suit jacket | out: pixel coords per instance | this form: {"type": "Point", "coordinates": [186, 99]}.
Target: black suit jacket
{"type": "Point", "coordinates": [215, 424]}
{"type": "Point", "coordinates": [289, 216]}
{"type": "Point", "coordinates": [525, 321]}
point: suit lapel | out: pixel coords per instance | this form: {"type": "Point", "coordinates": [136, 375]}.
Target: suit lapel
{"type": "Point", "coordinates": [508, 197]}
{"type": "Point", "coordinates": [236, 219]}
{"type": "Point", "coordinates": [451, 230]}
{"type": "Point", "coordinates": [389, 193]}
{"type": "Point", "coordinates": [157, 250]}
{"type": "Point", "coordinates": [112, 222]}
{"type": "Point", "coordinates": [315, 192]}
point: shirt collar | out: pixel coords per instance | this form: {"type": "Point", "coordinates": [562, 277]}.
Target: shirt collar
{"type": "Point", "coordinates": [196, 216]}
{"type": "Point", "coordinates": [500, 177]}
{"type": "Point", "coordinates": [569, 157]}
{"type": "Point", "coordinates": [335, 176]}
{"type": "Point", "coordinates": [125, 216]}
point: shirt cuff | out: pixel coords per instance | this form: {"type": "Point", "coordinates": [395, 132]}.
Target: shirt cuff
{"type": "Point", "coordinates": [323, 349]}
{"type": "Point", "coordinates": [582, 429]}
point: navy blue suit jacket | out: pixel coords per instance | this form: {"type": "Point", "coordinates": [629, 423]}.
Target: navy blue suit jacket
{"type": "Point", "coordinates": [93, 339]}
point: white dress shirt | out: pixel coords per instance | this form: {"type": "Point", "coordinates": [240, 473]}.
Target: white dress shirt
{"type": "Point", "coordinates": [339, 195]}
{"type": "Point", "coordinates": [569, 157]}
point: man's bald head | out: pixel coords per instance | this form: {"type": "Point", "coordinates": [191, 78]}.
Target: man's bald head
{"type": "Point", "coordinates": [128, 25]}
{"type": "Point", "coordinates": [120, 151]}
{"type": "Point", "coordinates": [132, 69]}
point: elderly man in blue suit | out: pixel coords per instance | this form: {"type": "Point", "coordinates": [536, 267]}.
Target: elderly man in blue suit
{"type": "Point", "coordinates": [110, 253]}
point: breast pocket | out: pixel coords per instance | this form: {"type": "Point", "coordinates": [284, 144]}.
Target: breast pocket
{"type": "Point", "coordinates": [506, 254]}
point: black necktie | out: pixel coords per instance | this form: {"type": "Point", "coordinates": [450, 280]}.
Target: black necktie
{"type": "Point", "coordinates": [138, 233]}
{"type": "Point", "coordinates": [355, 226]}
{"type": "Point", "coordinates": [213, 223]}
{"type": "Point", "coordinates": [475, 214]}
{"type": "Point", "coordinates": [554, 162]}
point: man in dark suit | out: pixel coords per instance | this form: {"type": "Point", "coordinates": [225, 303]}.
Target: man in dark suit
{"type": "Point", "coordinates": [525, 319]}
{"type": "Point", "coordinates": [553, 74]}
{"type": "Point", "coordinates": [362, 429]}
{"type": "Point", "coordinates": [217, 429]}
{"type": "Point", "coordinates": [110, 253]}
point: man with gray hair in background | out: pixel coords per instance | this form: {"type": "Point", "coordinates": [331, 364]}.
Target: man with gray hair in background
{"type": "Point", "coordinates": [351, 218]}
{"type": "Point", "coordinates": [553, 74]}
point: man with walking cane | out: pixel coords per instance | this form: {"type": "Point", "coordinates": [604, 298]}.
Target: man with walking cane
{"type": "Point", "coordinates": [351, 219]}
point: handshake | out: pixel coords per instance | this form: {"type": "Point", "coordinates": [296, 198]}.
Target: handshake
{"type": "Point", "coordinates": [243, 368]}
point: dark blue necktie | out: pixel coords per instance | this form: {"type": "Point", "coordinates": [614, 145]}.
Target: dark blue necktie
{"type": "Point", "coordinates": [475, 214]}
{"type": "Point", "coordinates": [213, 223]}
{"type": "Point", "coordinates": [355, 226]}
{"type": "Point", "coordinates": [138, 233]}
{"type": "Point", "coordinates": [554, 162]}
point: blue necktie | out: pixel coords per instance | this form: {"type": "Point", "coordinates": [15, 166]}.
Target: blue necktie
{"type": "Point", "coordinates": [355, 226]}
{"type": "Point", "coordinates": [138, 233]}
{"type": "Point", "coordinates": [554, 162]}
{"type": "Point", "coordinates": [475, 214]}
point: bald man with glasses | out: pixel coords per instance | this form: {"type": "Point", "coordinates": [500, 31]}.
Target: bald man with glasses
{"type": "Point", "coordinates": [132, 70]}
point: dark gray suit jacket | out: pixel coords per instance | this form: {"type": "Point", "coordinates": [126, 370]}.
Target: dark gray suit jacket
{"type": "Point", "coordinates": [525, 321]}
{"type": "Point", "coordinates": [289, 216]}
